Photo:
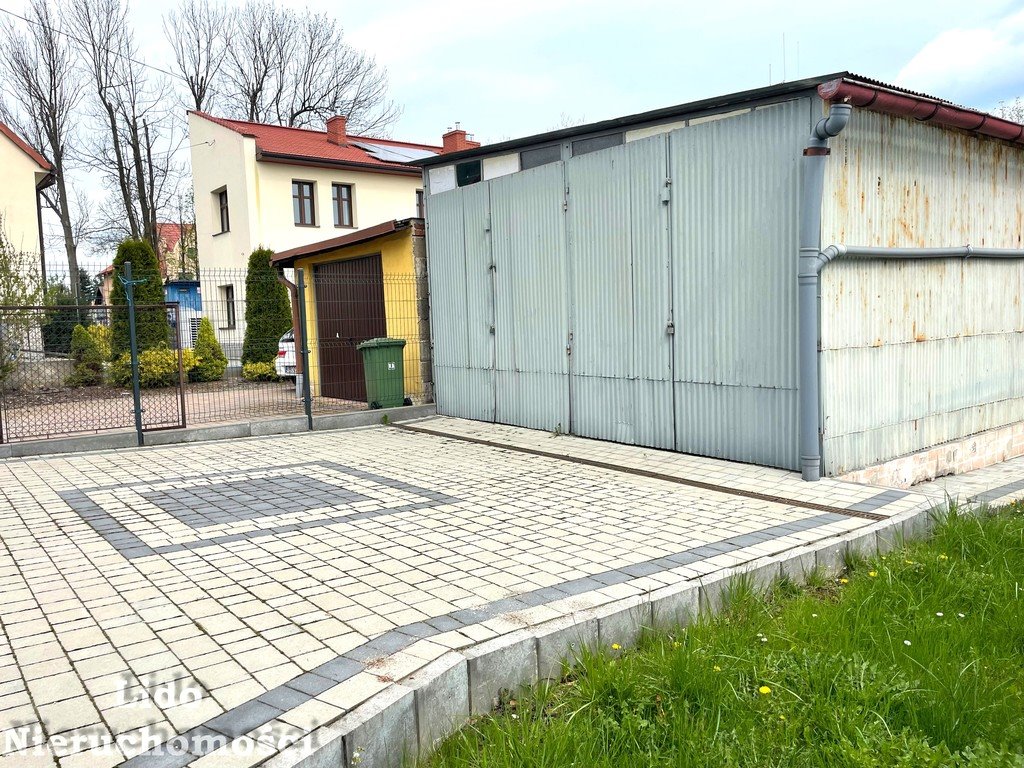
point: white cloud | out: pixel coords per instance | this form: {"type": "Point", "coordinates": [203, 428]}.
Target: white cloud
{"type": "Point", "coordinates": [985, 61]}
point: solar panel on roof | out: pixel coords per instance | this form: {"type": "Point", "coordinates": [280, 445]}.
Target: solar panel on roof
{"type": "Point", "coordinates": [390, 154]}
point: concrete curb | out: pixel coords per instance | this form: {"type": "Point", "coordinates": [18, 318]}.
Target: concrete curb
{"type": "Point", "coordinates": [409, 718]}
{"type": "Point", "coordinates": [257, 428]}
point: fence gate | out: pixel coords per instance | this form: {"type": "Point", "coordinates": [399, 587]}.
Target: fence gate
{"type": "Point", "coordinates": [50, 387]}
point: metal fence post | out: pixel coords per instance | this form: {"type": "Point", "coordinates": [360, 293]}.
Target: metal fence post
{"type": "Point", "coordinates": [307, 400]}
{"type": "Point", "coordinates": [129, 288]}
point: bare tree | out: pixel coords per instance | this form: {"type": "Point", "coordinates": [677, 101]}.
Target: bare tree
{"type": "Point", "coordinates": [133, 144]}
{"type": "Point", "coordinates": [1012, 110]}
{"type": "Point", "coordinates": [295, 68]}
{"type": "Point", "coordinates": [197, 32]}
{"type": "Point", "coordinates": [42, 76]}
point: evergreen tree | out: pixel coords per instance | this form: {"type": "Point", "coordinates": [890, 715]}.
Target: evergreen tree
{"type": "Point", "coordinates": [212, 360]}
{"type": "Point", "coordinates": [268, 311]}
{"type": "Point", "coordinates": [151, 325]}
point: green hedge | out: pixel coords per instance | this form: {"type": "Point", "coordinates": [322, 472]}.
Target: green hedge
{"type": "Point", "coordinates": [88, 356]}
{"type": "Point", "coordinates": [157, 368]}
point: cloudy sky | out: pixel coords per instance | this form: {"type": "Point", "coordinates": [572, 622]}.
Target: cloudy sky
{"type": "Point", "coordinates": [511, 69]}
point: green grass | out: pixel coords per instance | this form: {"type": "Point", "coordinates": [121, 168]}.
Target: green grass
{"type": "Point", "coordinates": [915, 659]}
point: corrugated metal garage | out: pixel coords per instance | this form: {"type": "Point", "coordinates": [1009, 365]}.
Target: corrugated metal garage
{"type": "Point", "coordinates": [636, 280]}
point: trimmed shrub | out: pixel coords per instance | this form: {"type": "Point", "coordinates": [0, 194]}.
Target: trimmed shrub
{"type": "Point", "coordinates": [268, 312]}
{"type": "Point", "coordinates": [157, 368]}
{"type": "Point", "coordinates": [88, 357]}
{"type": "Point", "coordinates": [212, 361]}
{"type": "Point", "coordinates": [152, 330]}
{"type": "Point", "coordinates": [259, 372]}
{"type": "Point", "coordinates": [102, 336]}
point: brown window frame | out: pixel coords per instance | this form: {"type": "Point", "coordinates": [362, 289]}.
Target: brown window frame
{"type": "Point", "coordinates": [421, 205]}
{"type": "Point", "coordinates": [229, 306]}
{"type": "Point", "coordinates": [298, 197]}
{"type": "Point", "coordinates": [223, 211]}
{"type": "Point", "coordinates": [336, 204]}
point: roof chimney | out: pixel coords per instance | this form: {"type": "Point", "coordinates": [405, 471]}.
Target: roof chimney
{"type": "Point", "coordinates": [457, 140]}
{"type": "Point", "coordinates": [336, 130]}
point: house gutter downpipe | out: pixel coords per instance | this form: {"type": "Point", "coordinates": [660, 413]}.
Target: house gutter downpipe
{"type": "Point", "coordinates": [808, 293]}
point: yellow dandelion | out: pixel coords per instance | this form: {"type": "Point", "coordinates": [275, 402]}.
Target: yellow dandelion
{"type": "Point", "coordinates": [764, 690]}
{"type": "Point", "coordinates": [676, 644]}
{"type": "Point", "coordinates": [872, 574]}
{"type": "Point", "coordinates": [943, 557]}
{"type": "Point", "coordinates": [782, 718]}
{"type": "Point", "coordinates": [717, 668]}
{"type": "Point", "coordinates": [844, 581]}
{"type": "Point", "coordinates": [616, 647]}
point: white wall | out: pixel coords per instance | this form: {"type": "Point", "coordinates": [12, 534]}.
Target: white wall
{"type": "Point", "coordinates": [18, 196]}
{"type": "Point", "coordinates": [377, 198]}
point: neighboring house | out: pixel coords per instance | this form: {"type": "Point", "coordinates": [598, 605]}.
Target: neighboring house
{"type": "Point", "coordinates": [281, 188]}
{"type": "Point", "coordinates": [360, 286]}
{"type": "Point", "coordinates": [636, 280]}
{"type": "Point", "coordinates": [176, 250]}
{"type": "Point", "coordinates": [25, 173]}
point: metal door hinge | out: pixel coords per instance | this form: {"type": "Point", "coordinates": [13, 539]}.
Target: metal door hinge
{"type": "Point", "coordinates": [487, 224]}
{"type": "Point", "coordinates": [565, 206]}
{"type": "Point", "coordinates": [670, 329]}
{"type": "Point", "coordinates": [666, 191]}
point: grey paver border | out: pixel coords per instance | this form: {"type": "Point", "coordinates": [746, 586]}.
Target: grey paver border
{"type": "Point", "coordinates": [131, 546]}
{"type": "Point", "coordinates": [471, 680]}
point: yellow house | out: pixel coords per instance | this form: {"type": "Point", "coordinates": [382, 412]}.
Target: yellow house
{"type": "Point", "coordinates": [25, 172]}
{"type": "Point", "coordinates": [364, 285]}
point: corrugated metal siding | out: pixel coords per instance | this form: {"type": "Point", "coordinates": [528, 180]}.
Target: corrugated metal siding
{"type": "Point", "coordinates": [915, 354]}
{"type": "Point", "coordinates": [462, 303]}
{"type": "Point", "coordinates": [618, 272]}
{"type": "Point", "coordinates": [735, 198]}
{"type": "Point", "coordinates": [531, 303]}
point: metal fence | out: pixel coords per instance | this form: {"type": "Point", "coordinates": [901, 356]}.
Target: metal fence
{"type": "Point", "coordinates": [227, 349]}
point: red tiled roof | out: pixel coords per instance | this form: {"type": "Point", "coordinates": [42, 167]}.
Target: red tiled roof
{"type": "Point", "coordinates": [169, 234]}
{"type": "Point", "coordinates": [21, 144]}
{"type": "Point", "coordinates": [304, 144]}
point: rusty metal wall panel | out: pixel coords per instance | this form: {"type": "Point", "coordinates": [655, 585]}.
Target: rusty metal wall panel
{"type": "Point", "coordinates": [892, 181]}
{"type": "Point", "coordinates": [531, 302]}
{"type": "Point", "coordinates": [735, 187]}
{"type": "Point", "coordinates": [618, 275]}
{"type": "Point", "coordinates": [917, 353]}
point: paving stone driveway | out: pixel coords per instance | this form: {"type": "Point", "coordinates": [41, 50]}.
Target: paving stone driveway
{"type": "Point", "coordinates": [263, 586]}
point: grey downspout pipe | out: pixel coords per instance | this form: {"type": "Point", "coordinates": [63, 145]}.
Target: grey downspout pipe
{"type": "Point", "coordinates": [811, 191]}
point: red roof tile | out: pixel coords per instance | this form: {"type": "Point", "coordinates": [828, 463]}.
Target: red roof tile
{"type": "Point", "coordinates": [308, 145]}
{"type": "Point", "coordinates": [21, 144]}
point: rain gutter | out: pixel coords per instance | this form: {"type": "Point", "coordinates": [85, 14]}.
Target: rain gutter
{"type": "Point", "coordinates": [925, 109]}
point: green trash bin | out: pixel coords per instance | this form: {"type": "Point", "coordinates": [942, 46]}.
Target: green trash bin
{"type": "Point", "coordinates": [385, 372]}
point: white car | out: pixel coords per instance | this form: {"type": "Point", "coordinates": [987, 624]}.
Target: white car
{"type": "Point", "coordinates": [285, 363]}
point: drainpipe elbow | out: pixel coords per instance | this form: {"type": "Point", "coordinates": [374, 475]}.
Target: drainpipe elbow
{"type": "Point", "coordinates": [833, 125]}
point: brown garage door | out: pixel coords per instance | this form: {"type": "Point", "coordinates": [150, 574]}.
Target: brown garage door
{"type": "Point", "coordinates": [349, 310]}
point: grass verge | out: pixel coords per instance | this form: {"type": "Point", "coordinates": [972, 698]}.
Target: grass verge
{"type": "Point", "coordinates": [911, 659]}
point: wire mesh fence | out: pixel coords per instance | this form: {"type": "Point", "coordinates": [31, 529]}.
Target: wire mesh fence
{"type": "Point", "coordinates": [222, 347]}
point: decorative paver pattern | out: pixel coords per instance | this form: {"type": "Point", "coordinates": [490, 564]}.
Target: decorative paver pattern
{"type": "Point", "coordinates": [288, 579]}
